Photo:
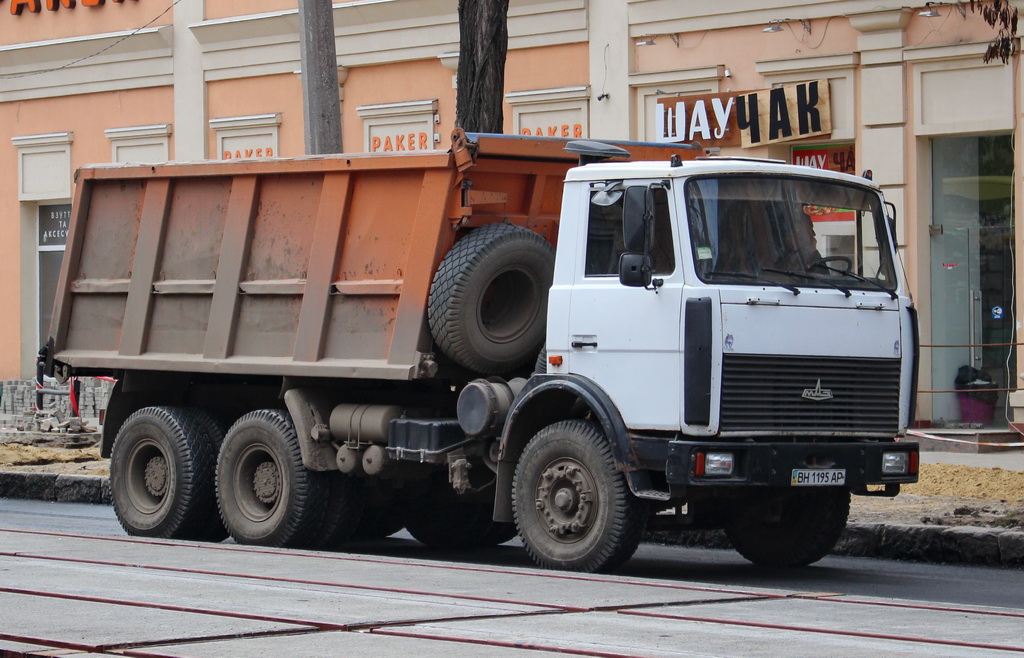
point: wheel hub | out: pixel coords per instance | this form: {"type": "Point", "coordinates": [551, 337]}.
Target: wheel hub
{"type": "Point", "coordinates": [266, 482]}
{"type": "Point", "coordinates": [565, 500]}
{"type": "Point", "coordinates": [155, 478]}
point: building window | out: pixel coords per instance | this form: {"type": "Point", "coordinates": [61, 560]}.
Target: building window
{"type": "Point", "coordinates": [395, 127]}
{"type": "Point", "coordinates": [247, 137]}
{"type": "Point", "coordinates": [972, 270]}
{"type": "Point", "coordinates": [51, 238]}
{"type": "Point", "coordinates": [650, 88]}
{"type": "Point", "coordinates": [44, 190]}
{"type": "Point", "coordinates": [140, 143]}
{"type": "Point", "coordinates": [550, 112]}
{"type": "Point", "coordinates": [839, 70]}
{"type": "Point", "coordinates": [44, 166]}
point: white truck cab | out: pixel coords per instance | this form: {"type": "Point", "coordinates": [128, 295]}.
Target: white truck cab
{"type": "Point", "coordinates": [741, 333]}
{"type": "Point", "coordinates": [747, 307]}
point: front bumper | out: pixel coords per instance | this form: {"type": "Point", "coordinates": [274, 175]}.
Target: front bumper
{"type": "Point", "coordinates": [772, 464]}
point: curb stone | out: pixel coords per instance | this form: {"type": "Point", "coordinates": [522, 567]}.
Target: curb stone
{"type": "Point", "coordinates": [926, 543]}
{"type": "Point", "coordinates": [53, 487]}
{"type": "Point", "coordinates": [919, 543]}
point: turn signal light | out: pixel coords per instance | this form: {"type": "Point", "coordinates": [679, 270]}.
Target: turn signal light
{"type": "Point", "coordinates": [555, 360]}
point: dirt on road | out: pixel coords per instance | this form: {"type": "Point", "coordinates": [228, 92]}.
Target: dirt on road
{"type": "Point", "coordinates": [954, 495]}
{"type": "Point", "coordinates": [53, 459]}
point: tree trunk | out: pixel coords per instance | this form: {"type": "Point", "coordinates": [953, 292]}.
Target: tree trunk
{"type": "Point", "coordinates": [483, 32]}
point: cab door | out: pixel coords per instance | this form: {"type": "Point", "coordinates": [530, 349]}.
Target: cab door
{"type": "Point", "coordinates": [627, 339]}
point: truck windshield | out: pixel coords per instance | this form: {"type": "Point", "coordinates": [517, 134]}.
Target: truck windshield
{"type": "Point", "coordinates": [757, 230]}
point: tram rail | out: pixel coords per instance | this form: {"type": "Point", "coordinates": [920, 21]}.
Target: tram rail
{"type": "Point", "coordinates": [441, 628]}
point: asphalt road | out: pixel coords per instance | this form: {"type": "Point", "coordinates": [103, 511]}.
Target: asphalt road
{"type": "Point", "coordinates": [929, 583]}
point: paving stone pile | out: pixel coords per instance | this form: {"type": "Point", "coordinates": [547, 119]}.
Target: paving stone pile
{"type": "Point", "coordinates": [18, 399]}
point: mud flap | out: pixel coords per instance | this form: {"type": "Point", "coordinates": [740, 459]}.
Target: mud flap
{"type": "Point", "coordinates": [310, 411]}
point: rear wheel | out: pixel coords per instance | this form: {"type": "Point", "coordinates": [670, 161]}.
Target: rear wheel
{"type": "Point", "coordinates": [572, 506]}
{"type": "Point", "coordinates": [162, 474]}
{"type": "Point", "coordinates": [266, 495]}
{"type": "Point", "coordinates": [540, 366]}
{"type": "Point", "coordinates": [792, 530]}
{"type": "Point", "coordinates": [213, 431]}
{"type": "Point", "coordinates": [343, 511]}
{"type": "Point", "coordinates": [499, 533]}
{"type": "Point", "coordinates": [450, 524]}
{"type": "Point", "coordinates": [379, 522]}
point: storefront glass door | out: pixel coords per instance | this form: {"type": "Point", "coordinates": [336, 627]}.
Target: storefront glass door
{"type": "Point", "coordinates": [52, 236]}
{"type": "Point", "coordinates": [972, 267]}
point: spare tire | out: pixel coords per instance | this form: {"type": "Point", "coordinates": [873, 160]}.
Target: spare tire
{"type": "Point", "coordinates": [489, 298]}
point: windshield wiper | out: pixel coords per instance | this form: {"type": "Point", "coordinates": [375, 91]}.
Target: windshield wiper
{"type": "Point", "coordinates": [892, 294]}
{"type": "Point", "coordinates": [755, 277]}
{"type": "Point", "coordinates": [808, 277]}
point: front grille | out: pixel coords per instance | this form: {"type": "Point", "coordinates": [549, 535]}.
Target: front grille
{"type": "Point", "coordinates": [767, 394]}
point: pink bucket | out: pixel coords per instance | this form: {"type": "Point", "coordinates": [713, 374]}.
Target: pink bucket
{"type": "Point", "coordinates": [974, 411]}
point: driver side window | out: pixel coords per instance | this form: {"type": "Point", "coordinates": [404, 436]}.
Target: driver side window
{"type": "Point", "coordinates": [604, 234]}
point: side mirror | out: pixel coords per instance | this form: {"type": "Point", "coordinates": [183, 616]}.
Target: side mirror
{"type": "Point", "coordinates": [891, 216]}
{"type": "Point", "coordinates": [635, 269]}
{"type": "Point", "coordinates": [636, 215]}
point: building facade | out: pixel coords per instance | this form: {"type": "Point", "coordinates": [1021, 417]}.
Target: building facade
{"type": "Point", "coordinates": [845, 84]}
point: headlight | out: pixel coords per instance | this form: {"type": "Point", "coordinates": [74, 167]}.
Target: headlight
{"type": "Point", "coordinates": [715, 464]}
{"type": "Point", "coordinates": [895, 463]}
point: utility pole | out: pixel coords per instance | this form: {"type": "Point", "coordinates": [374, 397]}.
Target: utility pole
{"type": "Point", "coordinates": [320, 102]}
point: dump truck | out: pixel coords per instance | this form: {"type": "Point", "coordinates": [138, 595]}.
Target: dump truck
{"type": "Point", "coordinates": [574, 342]}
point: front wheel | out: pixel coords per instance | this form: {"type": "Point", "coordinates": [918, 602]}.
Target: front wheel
{"type": "Point", "coordinates": [792, 530]}
{"type": "Point", "coordinates": [572, 506]}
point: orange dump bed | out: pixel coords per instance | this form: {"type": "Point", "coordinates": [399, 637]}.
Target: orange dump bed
{"type": "Point", "coordinates": [315, 266]}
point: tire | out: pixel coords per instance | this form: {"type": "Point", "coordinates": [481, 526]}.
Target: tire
{"type": "Point", "coordinates": [795, 531]}
{"type": "Point", "coordinates": [162, 475]}
{"type": "Point", "coordinates": [498, 534]}
{"type": "Point", "coordinates": [266, 496]}
{"type": "Point", "coordinates": [488, 301]}
{"type": "Point", "coordinates": [540, 366]}
{"type": "Point", "coordinates": [379, 522]}
{"type": "Point", "coordinates": [343, 511]}
{"type": "Point", "coordinates": [561, 527]}
{"type": "Point", "coordinates": [450, 524]}
{"type": "Point", "coordinates": [461, 525]}
{"type": "Point", "coordinates": [213, 431]}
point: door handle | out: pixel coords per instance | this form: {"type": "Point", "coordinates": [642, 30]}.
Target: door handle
{"type": "Point", "coordinates": [580, 345]}
{"type": "Point", "coordinates": [973, 329]}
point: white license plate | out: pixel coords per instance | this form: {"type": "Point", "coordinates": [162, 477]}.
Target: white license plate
{"type": "Point", "coordinates": [818, 477]}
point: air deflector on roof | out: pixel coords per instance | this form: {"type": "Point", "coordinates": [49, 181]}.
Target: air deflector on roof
{"type": "Point", "coordinates": [591, 151]}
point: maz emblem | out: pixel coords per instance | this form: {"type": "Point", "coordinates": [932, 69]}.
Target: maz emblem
{"type": "Point", "coordinates": [817, 393]}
